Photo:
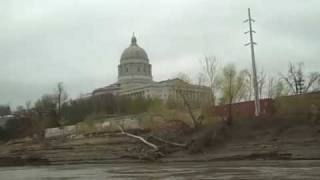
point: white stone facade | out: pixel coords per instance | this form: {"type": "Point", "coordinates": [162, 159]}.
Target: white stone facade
{"type": "Point", "coordinates": [135, 80]}
{"type": "Point", "coordinates": [172, 89]}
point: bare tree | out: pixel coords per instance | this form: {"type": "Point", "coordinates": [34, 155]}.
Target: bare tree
{"type": "Point", "coordinates": [201, 78]}
{"type": "Point", "coordinates": [246, 91]}
{"type": "Point", "coordinates": [270, 88]}
{"type": "Point", "coordinates": [261, 78]}
{"type": "Point", "coordinates": [247, 86]}
{"type": "Point", "coordinates": [209, 66]}
{"type": "Point", "coordinates": [314, 82]}
{"type": "Point", "coordinates": [280, 89]}
{"type": "Point", "coordinates": [232, 84]}
{"type": "Point", "coordinates": [261, 82]}
{"type": "Point", "coordinates": [316, 85]}
{"type": "Point", "coordinates": [297, 81]}
{"type": "Point", "coordinates": [46, 113]}
{"type": "Point", "coordinates": [183, 86]}
{"type": "Point", "coordinates": [184, 77]}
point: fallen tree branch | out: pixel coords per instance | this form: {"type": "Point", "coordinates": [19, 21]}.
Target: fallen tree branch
{"type": "Point", "coordinates": [168, 142]}
{"type": "Point", "coordinates": [155, 147]}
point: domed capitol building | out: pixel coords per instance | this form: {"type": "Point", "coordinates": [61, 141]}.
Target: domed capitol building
{"type": "Point", "coordinates": [135, 80]}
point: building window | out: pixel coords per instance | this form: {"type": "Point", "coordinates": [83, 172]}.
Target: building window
{"type": "Point", "coordinates": [138, 69]}
{"type": "Point", "coordinates": [126, 69]}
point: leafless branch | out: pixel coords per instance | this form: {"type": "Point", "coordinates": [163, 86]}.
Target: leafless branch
{"type": "Point", "coordinates": [196, 122]}
{"type": "Point", "coordinates": [209, 66]}
{"type": "Point", "coordinates": [168, 142]}
{"type": "Point", "coordinates": [313, 78]}
{"type": "Point", "coordinates": [153, 146]}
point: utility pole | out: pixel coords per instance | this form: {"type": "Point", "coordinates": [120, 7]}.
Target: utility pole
{"type": "Point", "coordinates": [254, 68]}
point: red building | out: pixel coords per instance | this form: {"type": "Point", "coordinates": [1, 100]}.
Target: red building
{"type": "Point", "coordinates": [245, 109]}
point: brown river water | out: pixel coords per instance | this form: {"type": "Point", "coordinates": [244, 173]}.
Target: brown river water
{"type": "Point", "coordinates": [300, 170]}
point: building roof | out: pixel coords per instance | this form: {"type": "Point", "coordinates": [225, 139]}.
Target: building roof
{"type": "Point", "coordinates": [134, 52]}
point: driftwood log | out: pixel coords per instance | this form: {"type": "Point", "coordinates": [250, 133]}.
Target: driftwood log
{"type": "Point", "coordinates": [153, 146]}
{"type": "Point", "coordinates": [204, 137]}
{"type": "Point", "coordinates": [169, 142]}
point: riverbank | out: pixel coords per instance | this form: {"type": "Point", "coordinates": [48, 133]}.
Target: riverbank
{"type": "Point", "coordinates": [248, 140]}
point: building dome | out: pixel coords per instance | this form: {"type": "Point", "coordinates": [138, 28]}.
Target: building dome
{"type": "Point", "coordinates": [134, 52]}
{"type": "Point", "coordinates": [134, 68]}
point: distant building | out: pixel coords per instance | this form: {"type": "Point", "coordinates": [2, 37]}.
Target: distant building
{"type": "Point", "coordinates": [135, 80]}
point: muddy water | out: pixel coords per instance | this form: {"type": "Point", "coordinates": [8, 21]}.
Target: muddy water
{"type": "Point", "coordinates": [175, 171]}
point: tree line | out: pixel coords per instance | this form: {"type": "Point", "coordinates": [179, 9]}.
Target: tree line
{"type": "Point", "coordinates": [56, 110]}
{"type": "Point", "coordinates": [228, 85]}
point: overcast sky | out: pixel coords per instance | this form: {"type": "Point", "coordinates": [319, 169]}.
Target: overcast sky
{"type": "Point", "coordinates": [79, 42]}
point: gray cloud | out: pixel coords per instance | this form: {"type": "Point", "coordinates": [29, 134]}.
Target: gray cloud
{"type": "Point", "coordinates": [80, 42]}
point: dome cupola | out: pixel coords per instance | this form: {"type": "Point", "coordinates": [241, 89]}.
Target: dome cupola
{"type": "Point", "coordinates": [134, 68]}
{"type": "Point", "coordinates": [134, 52]}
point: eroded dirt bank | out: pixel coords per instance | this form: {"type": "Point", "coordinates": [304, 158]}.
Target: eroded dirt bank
{"type": "Point", "coordinates": [245, 142]}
